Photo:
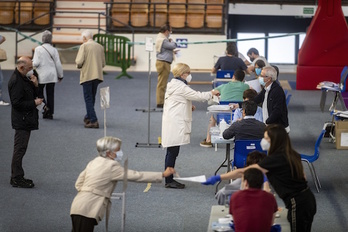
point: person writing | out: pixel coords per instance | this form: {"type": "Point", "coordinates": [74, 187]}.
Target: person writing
{"type": "Point", "coordinates": [96, 183]}
{"type": "Point", "coordinates": [177, 116]}
{"type": "Point", "coordinates": [285, 173]}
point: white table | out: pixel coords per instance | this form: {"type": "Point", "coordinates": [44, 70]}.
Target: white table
{"type": "Point", "coordinates": [220, 211]}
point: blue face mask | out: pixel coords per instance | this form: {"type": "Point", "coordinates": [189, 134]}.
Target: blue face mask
{"type": "Point", "coordinates": [258, 71]}
{"type": "Point", "coordinates": [262, 81]}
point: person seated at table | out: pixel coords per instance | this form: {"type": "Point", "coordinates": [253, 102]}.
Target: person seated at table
{"type": "Point", "coordinates": [259, 65]}
{"type": "Point", "coordinates": [248, 127]}
{"type": "Point", "coordinates": [248, 94]}
{"type": "Point", "coordinates": [253, 157]}
{"type": "Point", "coordinates": [252, 208]}
{"type": "Point", "coordinates": [254, 56]}
{"type": "Point", "coordinates": [232, 91]}
{"type": "Point", "coordinates": [231, 61]}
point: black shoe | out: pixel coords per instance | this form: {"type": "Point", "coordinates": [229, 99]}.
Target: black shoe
{"type": "Point", "coordinates": [92, 125]}
{"type": "Point", "coordinates": [21, 182]}
{"type": "Point", "coordinates": [47, 116]}
{"type": "Point", "coordinates": [159, 105]}
{"type": "Point", "coordinates": [175, 185]}
{"type": "Point", "coordinates": [86, 120]}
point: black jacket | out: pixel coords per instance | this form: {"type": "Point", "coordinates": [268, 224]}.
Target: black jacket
{"type": "Point", "coordinates": [276, 105]}
{"type": "Point", "coordinates": [23, 93]}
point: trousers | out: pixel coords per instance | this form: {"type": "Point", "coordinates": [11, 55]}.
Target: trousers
{"type": "Point", "coordinates": [21, 140]}
{"type": "Point", "coordinates": [163, 70]}
{"type": "Point", "coordinates": [82, 223]}
{"type": "Point", "coordinates": [172, 153]}
{"type": "Point", "coordinates": [89, 93]}
{"type": "Point", "coordinates": [49, 100]}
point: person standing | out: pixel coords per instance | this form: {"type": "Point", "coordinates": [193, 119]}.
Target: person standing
{"type": "Point", "coordinates": [91, 60]}
{"type": "Point", "coordinates": [177, 116]}
{"type": "Point", "coordinates": [23, 91]}
{"type": "Point", "coordinates": [165, 55]}
{"type": "Point", "coordinates": [2, 102]}
{"type": "Point", "coordinates": [47, 63]}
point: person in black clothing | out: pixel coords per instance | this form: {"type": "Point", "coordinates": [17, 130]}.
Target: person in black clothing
{"type": "Point", "coordinates": [285, 173]}
{"type": "Point", "coordinates": [272, 97]}
{"type": "Point", "coordinates": [248, 127]}
{"type": "Point", "coordinates": [23, 90]}
{"type": "Point", "coordinates": [230, 61]}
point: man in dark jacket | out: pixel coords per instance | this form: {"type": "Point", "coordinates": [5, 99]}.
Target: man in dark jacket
{"type": "Point", "coordinates": [23, 87]}
{"type": "Point", "coordinates": [272, 97]}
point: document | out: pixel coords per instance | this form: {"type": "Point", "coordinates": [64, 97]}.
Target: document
{"type": "Point", "coordinates": [254, 84]}
{"type": "Point", "coordinates": [199, 179]}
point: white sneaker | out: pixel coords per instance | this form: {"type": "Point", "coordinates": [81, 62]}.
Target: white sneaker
{"type": "Point", "coordinates": [2, 103]}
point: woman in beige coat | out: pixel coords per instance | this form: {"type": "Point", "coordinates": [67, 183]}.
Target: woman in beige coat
{"type": "Point", "coordinates": [177, 116]}
{"type": "Point", "coordinates": [96, 183]}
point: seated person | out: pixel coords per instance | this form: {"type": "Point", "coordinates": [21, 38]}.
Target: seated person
{"type": "Point", "coordinates": [252, 208]}
{"type": "Point", "coordinates": [253, 157]}
{"type": "Point", "coordinates": [248, 94]}
{"type": "Point", "coordinates": [230, 61]}
{"type": "Point", "coordinates": [254, 56]}
{"type": "Point", "coordinates": [248, 127]}
{"type": "Point", "coordinates": [232, 91]}
{"type": "Point", "coordinates": [259, 65]}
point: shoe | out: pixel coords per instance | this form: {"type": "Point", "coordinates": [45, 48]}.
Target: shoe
{"type": "Point", "coordinates": [92, 125]}
{"type": "Point", "coordinates": [47, 116]}
{"type": "Point", "coordinates": [86, 120]}
{"type": "Point", "coordinates": [2, 103]}
{"type": "Point", "coordinates": [21, 182]}
{"type": "Point", "coordinates": [204, 143]}
{"type": "Point", "coordinates": [159, 105]}
{"type": "Point", "coordinates": [174, 184]}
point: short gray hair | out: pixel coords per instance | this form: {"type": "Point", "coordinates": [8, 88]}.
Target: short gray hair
{"type": "Point", "coordinates": [87, 34]}
{"type": "Point", "coordinates": [47, 37]}
{"type": "Point", "coordinates": [270, 72]}
{"type": "Point", "coordinates": [107, 144]}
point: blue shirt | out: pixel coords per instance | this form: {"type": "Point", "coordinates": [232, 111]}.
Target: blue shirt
{"type": "Point", "coordinates": [238, 114]}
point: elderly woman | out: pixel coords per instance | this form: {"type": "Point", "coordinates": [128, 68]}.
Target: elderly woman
{"type": "Point", "coordinates": [177, 116]}
{"type": "Point", "coordinates": [47, 63]}
{"type": "Point", "coordinates": [96, 183]}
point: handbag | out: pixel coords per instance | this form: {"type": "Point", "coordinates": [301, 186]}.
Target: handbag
{"type": "Point", "coordinates": [3, 56]}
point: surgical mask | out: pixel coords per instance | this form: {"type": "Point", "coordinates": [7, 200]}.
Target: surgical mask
{"type": "Point", "coordinates": [258, 71]}
{"type": "Point", "coordinates": [119, 155]}
{"type": "Point", "coordinates": [31, 72]}
{"type": "Point", "coordinates": [262, 81]}
{"type": "Point", "coordinates": [189, 78]}
{"type": "Point", "coordinates": [265, 145]}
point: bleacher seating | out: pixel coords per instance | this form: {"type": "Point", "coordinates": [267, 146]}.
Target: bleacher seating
{"type": "Point", "coordinates": [41, 8]}
{"type": "Point", "coordinates": [23, 12]}
{"type": "Point", "coordinates": [6, 12]}
{"type": "Point", "coordinates": [177, 13]}
{"type": "Point", "coordinates": [214, 13]}
{"type": "Point", "coordinates": [158, 13]}
{"type": "Point", "coordinates": [139, 13]}
{"type": "Point", "coordinates": [120, 12]}
{"type": "Point", "coordinates": [195, 14]}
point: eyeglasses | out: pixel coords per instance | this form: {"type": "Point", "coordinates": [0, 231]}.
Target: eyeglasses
{"type": "Point", "coordinates": [263, 76]}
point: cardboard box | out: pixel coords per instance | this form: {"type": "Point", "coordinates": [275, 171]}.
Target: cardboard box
{"type": "Point", "coordinates": [341, 132]}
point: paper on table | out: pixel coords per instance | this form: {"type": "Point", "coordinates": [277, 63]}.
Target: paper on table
{"type": "Point", "coordinates": [199, 179]}
{"type": "Point", "coordinates": [254, 84]}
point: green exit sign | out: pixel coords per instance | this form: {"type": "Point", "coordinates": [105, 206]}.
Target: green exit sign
{"type": "Point", "coordinates": [308, 10]}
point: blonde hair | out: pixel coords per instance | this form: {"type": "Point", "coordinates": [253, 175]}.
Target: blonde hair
{"type": "Point", "coordinates": [107, 144]}
{"type": "Point", "coordinates": [180, 69]}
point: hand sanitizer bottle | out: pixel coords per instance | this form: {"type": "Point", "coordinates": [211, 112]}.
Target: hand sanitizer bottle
{"type": "Point", "coordinates": [222, 126]}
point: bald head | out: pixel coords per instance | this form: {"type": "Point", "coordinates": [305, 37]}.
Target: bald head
{"type": "Point", "coordinates": [24, 65]}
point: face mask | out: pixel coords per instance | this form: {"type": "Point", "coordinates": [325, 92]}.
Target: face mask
{"type": "Point", "coordinates": [119, 155]}
{"type": "Point", "coordinates": [262, 81]}
{"type": "Point", "coordinates": [265, 145]}
{"type": "Point", "coordinates": [189, 78]}
{"type": "Point", "coordinates": [258, 71]}
{"type": "Point", "coordinates": [31, 72]}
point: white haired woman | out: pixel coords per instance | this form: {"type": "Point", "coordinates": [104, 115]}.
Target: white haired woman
{"type": "Point", "coordinates": [96, 183]}
{"type": "Point", "coordinates": [48, 66]}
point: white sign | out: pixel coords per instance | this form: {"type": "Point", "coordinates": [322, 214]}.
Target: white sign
{"type": "Point", "coordinates": [179, 41]}
{"type": "Point", "coordinates": [105, 98]}
{"type": "Point", "coordinates": [148, 44]}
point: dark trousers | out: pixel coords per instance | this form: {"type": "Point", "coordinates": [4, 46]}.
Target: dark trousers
{"type": "Point", "coordinates": [82, 223]}
{"type": "Point", "coordinates": [89, 93]}
{"type": "Point", "coordinates": [21, 140]}
{"type": "Point", "coordinates": [49, 100]}
{"type": "Point", "coordinates": [172, 153]}
{"type": "Point", "coordinates": [301, 211]}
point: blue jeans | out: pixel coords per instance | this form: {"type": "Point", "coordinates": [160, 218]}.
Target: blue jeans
{"type": "Point", "coordinates": [172, 153]}
{"type": "Point", "coordinates": [89, 93]}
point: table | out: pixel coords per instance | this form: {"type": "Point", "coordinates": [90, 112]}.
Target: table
{"type": "Point", "coordinates": [220, 211]}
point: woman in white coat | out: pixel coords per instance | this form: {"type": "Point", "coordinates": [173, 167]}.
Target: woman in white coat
{"type": "Point", "coordinates": [177, 116]}
{"type": "Point", "coordinates": [96, 183]}
{"type": "Point", "coordinates": [48, 66]}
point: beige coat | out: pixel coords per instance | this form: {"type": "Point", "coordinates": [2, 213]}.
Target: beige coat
{"type": "Point", "coordinates": [177, 112]}
{"type": "Point", "coordinates": [91, 60]}
{"type": "Point", "coordinates": [96, 183]}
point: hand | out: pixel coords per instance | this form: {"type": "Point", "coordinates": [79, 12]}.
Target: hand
{"type": "Point", "coordinates": [169, 171]}
{"type": "Point", "coordinates": [212, 180]}
{"type": "Point", "coordinates": [33, 79]}
{"type": "Point", "coordinates": [234, 106]}
{"type": "Point", "coordinates": [193, 108]}
{"type": "Point", "coordinates": [38, 101]}
{"type": "Point", "coordinates": [60, 79]}
{"type": "Point", "coordinates": [215, 92]}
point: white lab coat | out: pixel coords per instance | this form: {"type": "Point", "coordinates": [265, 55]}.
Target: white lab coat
{"type": "Point", "coordinates": [177, 112]}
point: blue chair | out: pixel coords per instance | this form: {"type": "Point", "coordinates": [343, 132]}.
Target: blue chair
{"type": "Point", "coordinates": [288, 99]}
{"type": "Point", "coordinates": [222, 75]}
{"type": "Point", "coordinates": [241, 150]}
{"type": "Point", "coordinates": [227, 116]}
{"type": "Point", "coordinates": [309, 159]}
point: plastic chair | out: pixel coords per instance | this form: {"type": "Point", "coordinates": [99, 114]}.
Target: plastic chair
{"type": "Point", "coordinates": [241, 150]}
{"type": "Point", "coordinates": [309, 159]}
{"type": "Point", "coordinates": [224, 75]}
{"type": "Point", "coordinates": [288, 99]}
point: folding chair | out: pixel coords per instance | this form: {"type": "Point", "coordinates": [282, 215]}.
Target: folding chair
{"type": "Point", "coordinates": [241, 150]}
{"type": "Point", "coordinates": [222, 77]}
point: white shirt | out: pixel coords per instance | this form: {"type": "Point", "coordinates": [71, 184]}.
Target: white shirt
{"type": "Point", "coordinates": [264, 104]}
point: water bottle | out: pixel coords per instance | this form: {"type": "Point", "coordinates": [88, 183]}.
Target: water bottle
{"type": "Point", "coordinates": [222, 126]}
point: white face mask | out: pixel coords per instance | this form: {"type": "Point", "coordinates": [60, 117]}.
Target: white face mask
{"type": "Point", "coordinates": [189, 78]}
{"type": "Point", "coordinates": [119, 155]}
{"type": "Point", "coordinates": [265, 145]}
{"type": "Point", "coordinates": [31, 72]}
